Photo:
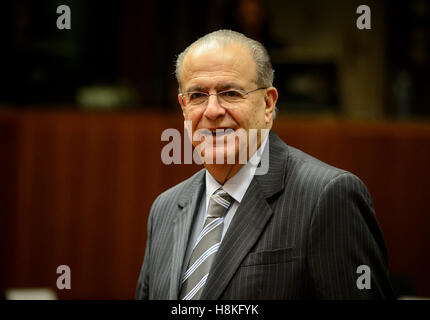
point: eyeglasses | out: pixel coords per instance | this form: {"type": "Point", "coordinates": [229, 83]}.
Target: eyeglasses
{"type": "Point", "coordinates": [227, 98]}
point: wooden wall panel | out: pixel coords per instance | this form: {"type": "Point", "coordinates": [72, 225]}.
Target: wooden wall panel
{"type": "Point", "coordinates": [80, 186]}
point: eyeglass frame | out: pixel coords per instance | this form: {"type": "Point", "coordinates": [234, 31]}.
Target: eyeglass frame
{"type": "Point", "coordinates": [244, 94]}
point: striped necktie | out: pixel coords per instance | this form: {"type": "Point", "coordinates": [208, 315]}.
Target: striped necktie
{"type": "Point", "coordinates": [207, 245]}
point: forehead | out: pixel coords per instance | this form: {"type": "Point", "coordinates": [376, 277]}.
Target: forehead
{"type": "Point", "coordinates": [212, 66]}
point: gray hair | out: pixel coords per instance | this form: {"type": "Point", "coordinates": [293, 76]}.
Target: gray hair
{"type": "Point", "coordinates": [265, 72]}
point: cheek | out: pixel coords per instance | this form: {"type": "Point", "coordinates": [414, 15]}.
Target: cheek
{"type": "Point", "coordinates": [194, 117]}
{"type": "Point", "coordinates": [237, 117]}
{"type": "Point", "coordinates": [255, 118]}
{"type": "Point", "coordinates": [256, 114]}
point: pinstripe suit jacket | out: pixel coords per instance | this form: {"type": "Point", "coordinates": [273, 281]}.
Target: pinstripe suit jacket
{"type": "Point", "coordinates": [300, 232]}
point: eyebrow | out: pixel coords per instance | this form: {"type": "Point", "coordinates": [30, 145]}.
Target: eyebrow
{"type": "Point", "coordinates": [220, 87]}
{"type": "Point", "coordinates": [195, 88]}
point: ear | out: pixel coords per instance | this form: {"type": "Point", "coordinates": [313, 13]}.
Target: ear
{"type": "Point", "coordinates": [181, 102]}
{"type": "Point", "coordinates": [270, 98]}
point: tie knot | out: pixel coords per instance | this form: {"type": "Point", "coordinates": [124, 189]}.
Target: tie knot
{"type": "Point", "coordinates": [219, 203]}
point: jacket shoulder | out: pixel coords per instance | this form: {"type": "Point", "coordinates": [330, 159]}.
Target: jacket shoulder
{"type": "Point", "coordinates": [310, 175]}
{"type": "Point", "coordinates": [177, 194]}
{"type": "Point", "coordinates": [306, 163]}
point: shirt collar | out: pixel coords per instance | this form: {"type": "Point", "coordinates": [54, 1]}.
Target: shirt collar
{"type": "Point", "coordinates": [237, 185]}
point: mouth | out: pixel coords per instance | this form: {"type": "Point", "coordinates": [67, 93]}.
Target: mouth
{"type": "Point", "coordinates": [218, 132]}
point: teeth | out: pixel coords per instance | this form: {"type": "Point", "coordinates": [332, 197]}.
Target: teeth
{"type": "Point", "coordinates": [222, 132]}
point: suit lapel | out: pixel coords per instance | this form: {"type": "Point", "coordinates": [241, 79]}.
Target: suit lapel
{"type": "Point", "coordinates": [187, 206]}
{"type": "Point", "coordinates": [242, 234]}
{"type": "Point", "coordinates": [249, 220]}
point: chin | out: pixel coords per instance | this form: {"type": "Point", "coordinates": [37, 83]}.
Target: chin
{"type": "Point", "coordinates": [227, 154]}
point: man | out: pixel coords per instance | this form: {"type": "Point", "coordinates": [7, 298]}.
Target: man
{"type": "Point", "coordinates": [301, 230]}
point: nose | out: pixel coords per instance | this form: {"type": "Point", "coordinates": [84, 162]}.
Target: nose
{"type": "Point", "coordinates": [213, 109]}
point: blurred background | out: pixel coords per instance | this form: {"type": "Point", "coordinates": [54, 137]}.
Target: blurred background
{"type": "Point", "coordinates": [82, 112]}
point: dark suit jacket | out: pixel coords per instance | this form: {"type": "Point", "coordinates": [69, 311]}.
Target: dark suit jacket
{"type": "Point", "coordinates": [300, 232]}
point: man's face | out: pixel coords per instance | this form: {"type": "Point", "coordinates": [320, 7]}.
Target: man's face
{"type": "Point", "coordinates": [212, 69]}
